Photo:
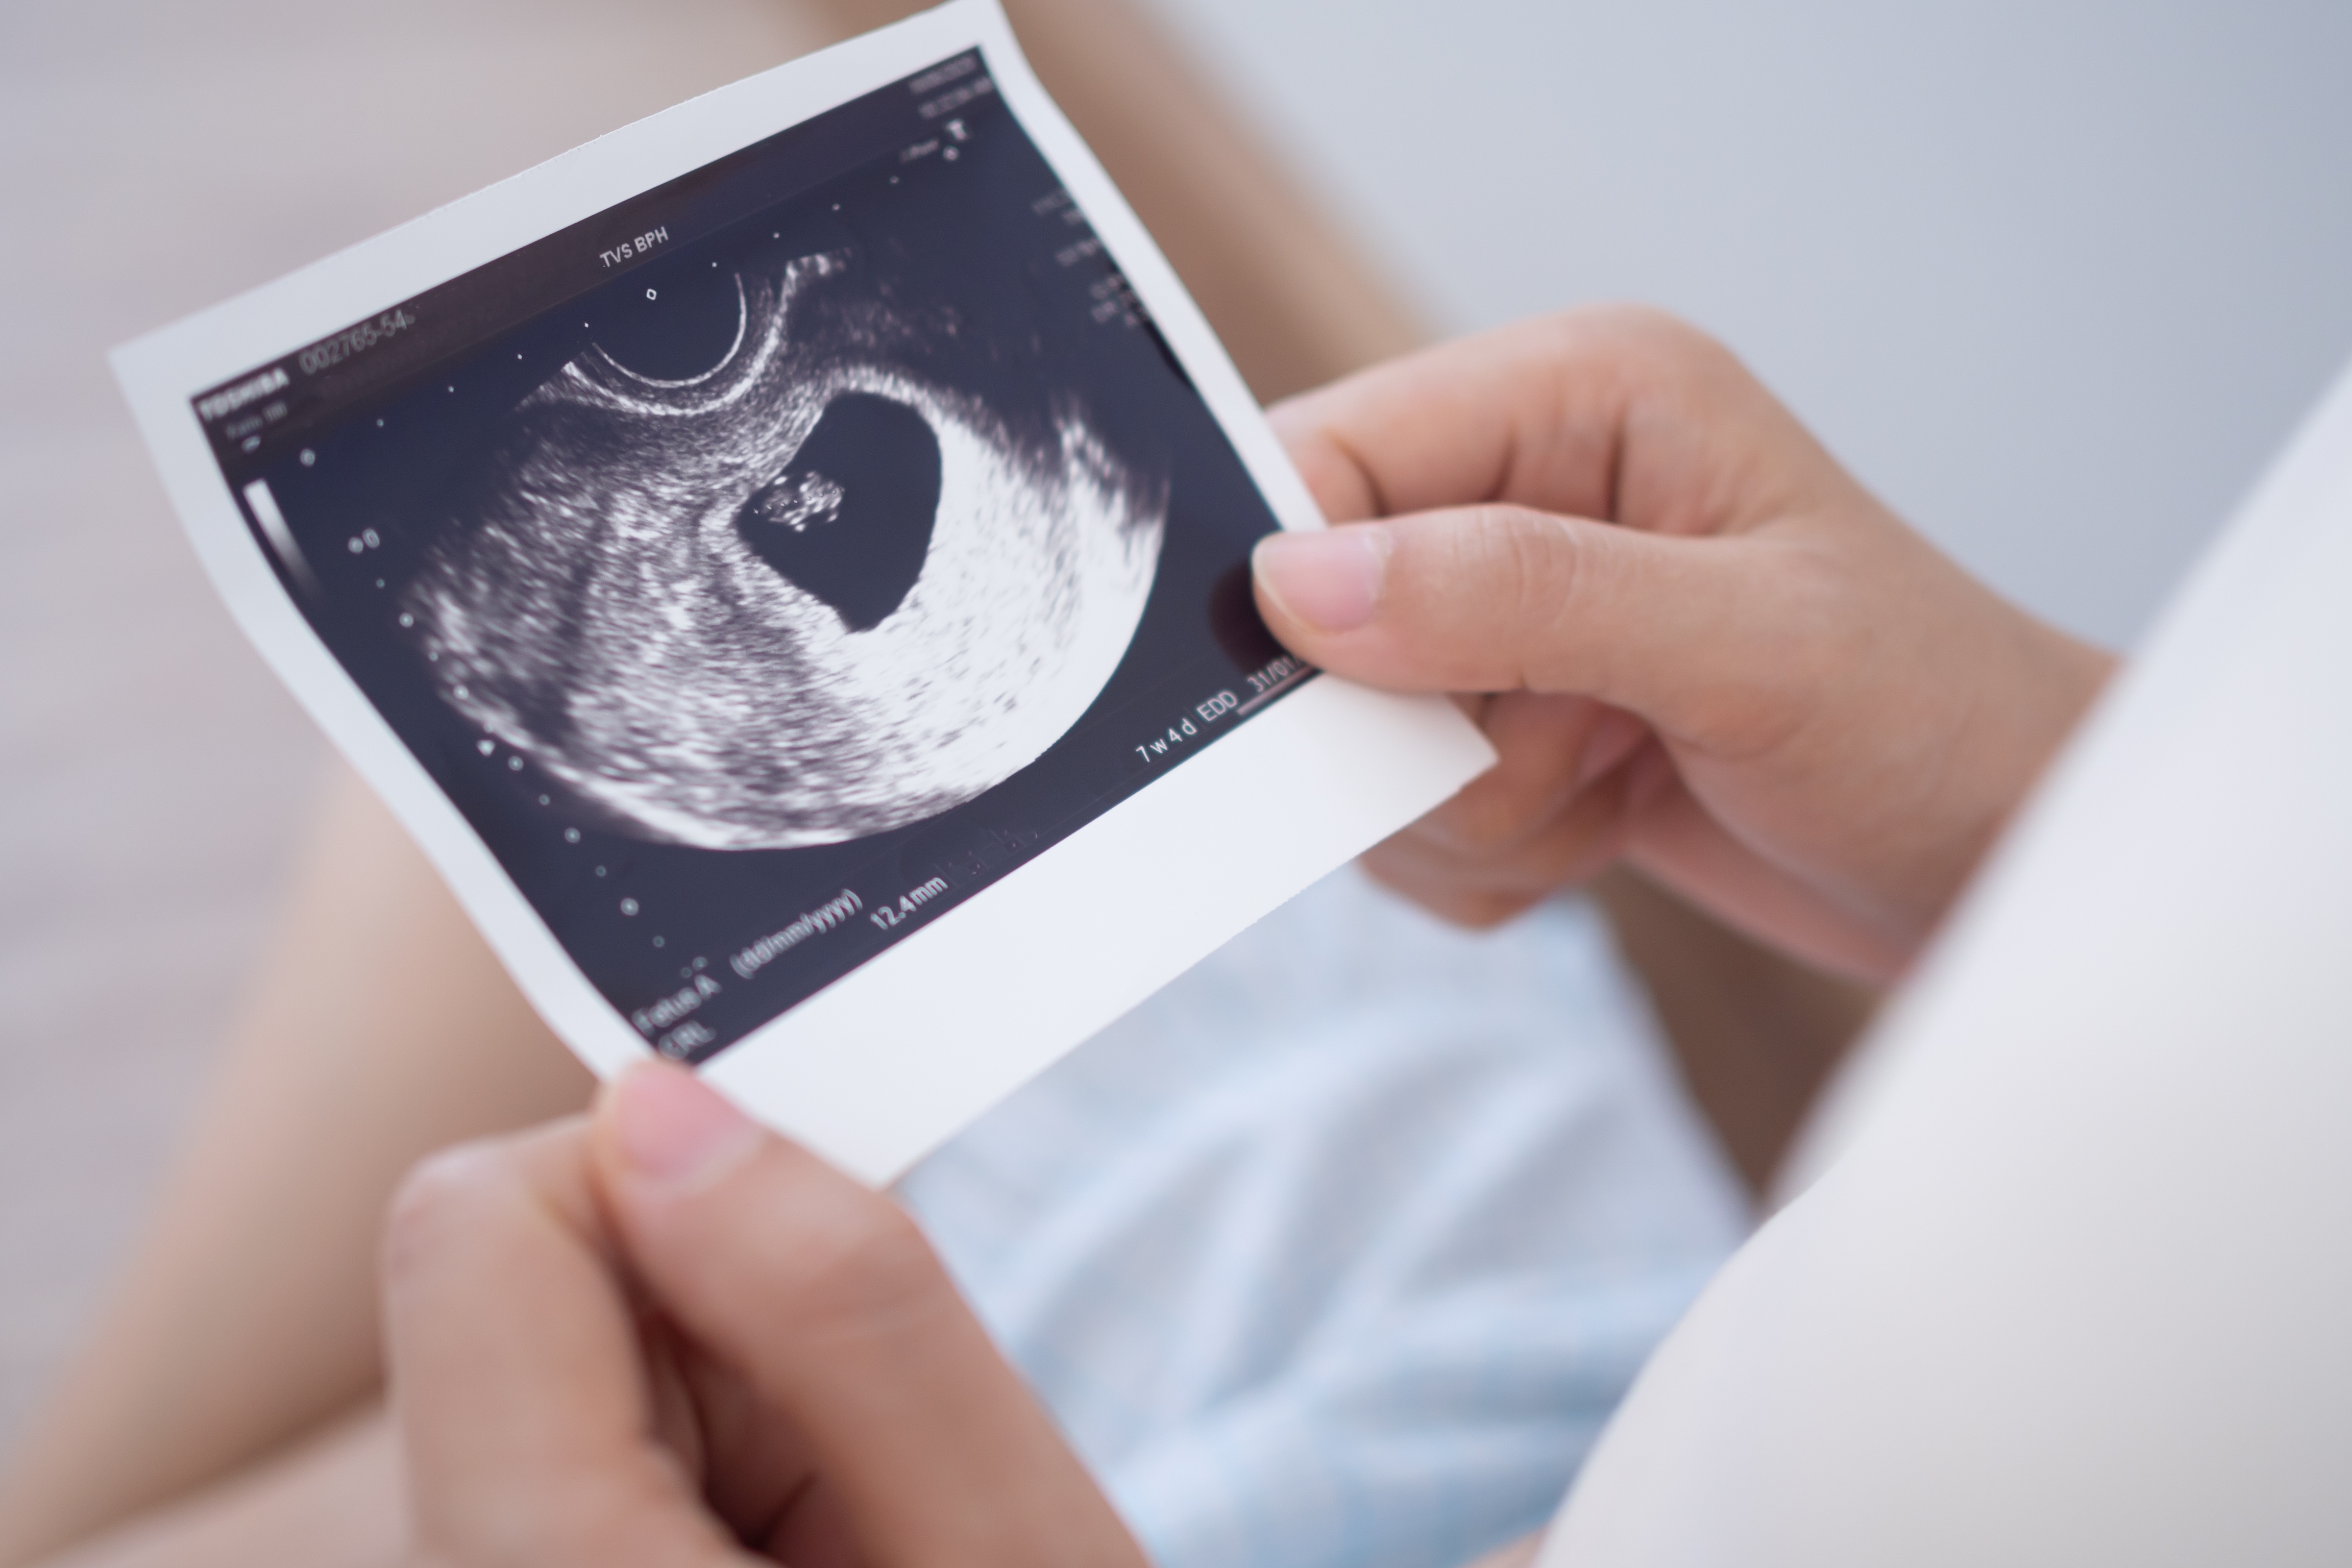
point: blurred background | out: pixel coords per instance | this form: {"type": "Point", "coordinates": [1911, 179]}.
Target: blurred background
{"type": "Point", "coordinates": [2054, 279]}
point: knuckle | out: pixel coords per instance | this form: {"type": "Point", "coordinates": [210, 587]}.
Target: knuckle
{"type": "Point", "coordinates": [1477, 591]}
{"type": "Point", "coordinates": [1620, 327]}
{"type": "Point", "coordinates": [1814, 642]}
{"type": "Point", "coordinates": [1647, 351]}
{"type": "Point", "coordinates": [433, 1203]}
{"type": "Point", "coordinates": [1515, 545]}
{"type": "Point", "coordinates": [1660, 335]}
{"type": "Point", "coordinates": [1633, 319]}
{"type": "Point", "coordinates": [1538, 565]}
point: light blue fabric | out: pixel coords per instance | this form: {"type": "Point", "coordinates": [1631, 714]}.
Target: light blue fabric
{"type": "Point", "coordinates": [1337, 1253]}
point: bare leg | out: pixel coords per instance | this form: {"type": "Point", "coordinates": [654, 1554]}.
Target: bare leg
{"type": "Point", "coordinates": [381, 1029]}
{"type": "Point", "coordinates": [333, 1500]}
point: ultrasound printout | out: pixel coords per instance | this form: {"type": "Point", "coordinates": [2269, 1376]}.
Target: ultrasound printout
{"type": "Point", "coordinates": [786, 564]}
{"type": "Point", "coordinates": [768, 566]}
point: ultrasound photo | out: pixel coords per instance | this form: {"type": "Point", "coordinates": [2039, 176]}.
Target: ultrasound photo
{"type": "Point", "coordinates": [767, 565]}
{"type": "Point", "coordinates": [810, 593]}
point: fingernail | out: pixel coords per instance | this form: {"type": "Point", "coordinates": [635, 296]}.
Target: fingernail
{"type": "Point", "coordinates": [1329, 579]}
{"type": "Point", "coordinates": [671, 1127]}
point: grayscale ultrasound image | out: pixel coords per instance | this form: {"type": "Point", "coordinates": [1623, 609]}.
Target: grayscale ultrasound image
{"type": "Point", "coordinates": [803, 595]}
{"type": "Point", "coordinates": [767, 565]}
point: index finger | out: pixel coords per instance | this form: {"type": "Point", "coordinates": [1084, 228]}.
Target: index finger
{"type": "Point", "coordinates": [1616, 412]}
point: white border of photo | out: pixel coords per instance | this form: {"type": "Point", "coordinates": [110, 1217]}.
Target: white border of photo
{"type": "Point", "coordinates": [898, 1055]}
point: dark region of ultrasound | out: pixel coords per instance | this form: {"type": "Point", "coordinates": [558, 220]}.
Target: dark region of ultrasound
{"type": "Point", "coordinates": [807, 594]}
{"type": "Point", "coordinates": [776, 596]}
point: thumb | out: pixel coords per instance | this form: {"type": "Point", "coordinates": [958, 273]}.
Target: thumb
{"type": "Point", "coordinates": [823, 1297]}
{"type": "Point", "coordinates": [1501, 598]}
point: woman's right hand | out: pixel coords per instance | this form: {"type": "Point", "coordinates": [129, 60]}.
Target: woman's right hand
{"type": "Point", "coordinates": [1695, 639]}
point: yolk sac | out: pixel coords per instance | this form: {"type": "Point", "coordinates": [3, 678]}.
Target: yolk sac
{"type": "Point", "coordinates": [849, 522]}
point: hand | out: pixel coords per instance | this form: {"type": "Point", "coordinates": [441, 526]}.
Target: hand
{"type": "Point", "coordinates": [1695, 639]}
{"type": "Point", "coordinates": [666, 1336]}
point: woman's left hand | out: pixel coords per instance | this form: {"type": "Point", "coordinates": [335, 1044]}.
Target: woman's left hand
{"type": "Point", "coordinates": [663, 1334]}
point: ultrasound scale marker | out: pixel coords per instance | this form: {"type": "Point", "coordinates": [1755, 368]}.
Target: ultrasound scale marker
{"type": "Point", "coordinates": [282, 537]}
